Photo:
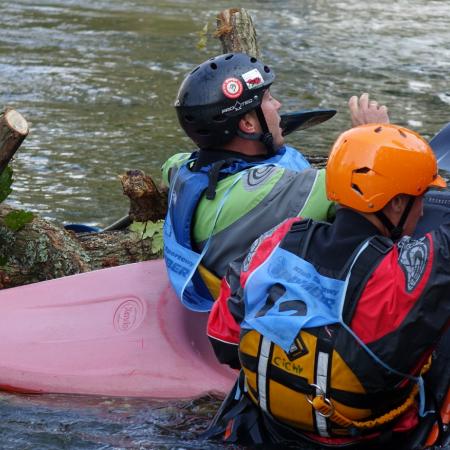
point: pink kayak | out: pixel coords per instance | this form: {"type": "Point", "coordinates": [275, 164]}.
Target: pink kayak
{"type": "Point", "coordinates": [119, 331]}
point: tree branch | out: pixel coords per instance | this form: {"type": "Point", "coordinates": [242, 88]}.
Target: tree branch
{"type": "Point", "coordinates": [13, 130]}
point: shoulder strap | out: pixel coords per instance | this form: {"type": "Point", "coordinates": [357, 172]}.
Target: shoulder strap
{"type": "Point", "coordinates": [362, 269]}
{"type": "Point", "coordinates": [300, 242]}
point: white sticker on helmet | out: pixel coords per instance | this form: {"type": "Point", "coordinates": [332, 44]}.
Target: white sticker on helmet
{"type": "Point", "coordinates": [253, 78]}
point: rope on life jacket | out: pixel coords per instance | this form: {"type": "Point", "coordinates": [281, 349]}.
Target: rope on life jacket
{"type": "Point", "coordinates": [326, 408]}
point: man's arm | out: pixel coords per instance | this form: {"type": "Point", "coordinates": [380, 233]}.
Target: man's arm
{"type": "Point", "coordinates": [171, 165]}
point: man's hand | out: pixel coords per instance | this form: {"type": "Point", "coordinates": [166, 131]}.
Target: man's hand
{"type": "Point", "coordinates": [363, 110]}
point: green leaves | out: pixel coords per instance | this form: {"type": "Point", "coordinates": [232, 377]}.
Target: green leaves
{"type": "Point", "coordinates": [16, 220]}
{"type": "Point", "coordinates": [5, 183]}
{"type": "Point", "coordinates": [152, 230]}
{"type": "Point", "coordinates": [202, 38]}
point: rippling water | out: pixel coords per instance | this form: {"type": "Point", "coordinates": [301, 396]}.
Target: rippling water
{"type": "Point", "coordinates": [56, 422]}
{"type": "Point", "coordinates": [97, 81]}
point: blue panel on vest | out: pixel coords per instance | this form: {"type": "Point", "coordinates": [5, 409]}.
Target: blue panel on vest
{"type": "Point", "coordinates": [323, 297]}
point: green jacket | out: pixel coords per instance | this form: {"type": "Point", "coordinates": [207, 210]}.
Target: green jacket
{"type": "Point", "coordinates": [263, 198]}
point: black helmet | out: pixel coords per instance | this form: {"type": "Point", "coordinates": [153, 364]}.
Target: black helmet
{"type": "Point", "coordinates": [214, 96]}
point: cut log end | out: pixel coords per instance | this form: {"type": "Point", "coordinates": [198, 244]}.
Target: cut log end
{"type": "Point", "coordinates": [236, 32]}
{"type": "Point", "coordinates": [16, 122]}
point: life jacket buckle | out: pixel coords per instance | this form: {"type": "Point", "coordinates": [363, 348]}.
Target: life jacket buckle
{"type": "Point", "coordinates": [326, 408]}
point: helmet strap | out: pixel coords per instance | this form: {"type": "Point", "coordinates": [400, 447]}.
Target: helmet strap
{"type": "Point", "coordinates": [265, 137]}
{"type": "Point", "coordinates": [396, 231]}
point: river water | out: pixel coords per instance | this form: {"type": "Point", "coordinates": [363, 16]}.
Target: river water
{"type": "Point", "coordinates": [97, 81]}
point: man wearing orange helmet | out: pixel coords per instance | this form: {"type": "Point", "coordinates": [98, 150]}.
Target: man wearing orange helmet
{"type": "Point", "coordinates": [339, 320]}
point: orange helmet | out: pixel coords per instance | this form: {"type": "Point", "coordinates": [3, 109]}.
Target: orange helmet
{"type": "Point", "coordinates": [371, 164]}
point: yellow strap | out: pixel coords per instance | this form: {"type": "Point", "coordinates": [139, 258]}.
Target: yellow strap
{"type": "Point", "coordinates": [329, 411]}
{"type": "Point", "coordinates": [212, 282]}
{"type": "Point", "coordinates": [326, 408]}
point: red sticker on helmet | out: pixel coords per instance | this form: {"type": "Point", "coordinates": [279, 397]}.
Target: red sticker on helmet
{"type": "Point", "coordinates": [232, 88]}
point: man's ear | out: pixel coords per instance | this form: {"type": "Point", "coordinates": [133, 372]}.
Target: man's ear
{"type": "Point", "coordinates": [248, 123]}
{"type": "Point", "coordinates": [398, 203]}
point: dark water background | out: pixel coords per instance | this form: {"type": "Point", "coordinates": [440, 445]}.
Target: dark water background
{"type": "Point", "coordinates": [97, 80]}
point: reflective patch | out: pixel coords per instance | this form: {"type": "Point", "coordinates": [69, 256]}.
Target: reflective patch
{"type": "Point", "coordinates": [297, 349]}
{"type": "Point", "coordinates": [413, 260]}
{"type": "Point", "coordinates": [257, 177]}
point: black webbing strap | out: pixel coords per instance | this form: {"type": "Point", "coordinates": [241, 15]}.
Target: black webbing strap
{"type": "Point", "coordinates": [396, 230]}
{"type": "Point", "coordinates": [266, 136]}
{"type": "Point", "coordinates": [213, 176]}
{"type": "Point", "coordinates": [362, 269]}
{"type": "Point", "coordinates": [299, 243]}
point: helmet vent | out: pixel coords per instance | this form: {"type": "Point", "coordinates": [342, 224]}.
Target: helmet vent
{"type": "Point", "coordinates": [213, 66]}
{"type": "Point", "coordinates": [195, 70]}
{"type": "Point", "coordinates": [266, 69]}
{"type": "Point", "coordinates": [189, 118]}
{"type": "Point", "coordinates": [253, 60]}
{"type": "Point", "coordinates": [402, 133]}
{"type": "Point", "coordinates": [219, 118]}
{"type": "Point", "coordinates": [356, 188]}
{"type": "Point", "coordinates": [362, 170]}
{"type": "Point", "coordinates": [229, 57]}
{"type": "Point", "coordinates": [377, 130]}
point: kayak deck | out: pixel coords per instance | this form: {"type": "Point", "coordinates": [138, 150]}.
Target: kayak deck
{"type": "Point", "coordinates": [119, 331]}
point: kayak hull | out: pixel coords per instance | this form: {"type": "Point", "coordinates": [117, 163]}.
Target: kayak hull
{"type": "Point", "coordinates": [119, 332]}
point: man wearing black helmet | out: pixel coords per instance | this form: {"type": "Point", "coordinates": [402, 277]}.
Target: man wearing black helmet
{"type": "Point", "coordinates": [242, 181]}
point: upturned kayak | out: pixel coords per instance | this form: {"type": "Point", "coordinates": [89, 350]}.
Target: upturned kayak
{"type": "Point", "coordinates": [119, 332]}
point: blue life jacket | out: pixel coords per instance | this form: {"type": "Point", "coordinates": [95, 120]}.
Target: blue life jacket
{"type": "Point", "coordinates": [186, 190]}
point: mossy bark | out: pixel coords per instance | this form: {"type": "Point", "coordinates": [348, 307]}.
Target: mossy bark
{"type": "Point", "coordinates": [42, 251]}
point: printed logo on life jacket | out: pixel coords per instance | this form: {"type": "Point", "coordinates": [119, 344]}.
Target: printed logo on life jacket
{"type": "Point", "coordinates": [254, 247]}
{"type": "Point", "coordinates": [257, 177]}
{"type": "Point", "coordinates": [308, 281]}
{"type": "Point", "coordinates": [177, 263]}
{"type": "Point", "coordinates": [253, 78]}
{"type": "Point", "coordinates": [413, 260]}
{"type": "Point", "coordinates": [287, 365]}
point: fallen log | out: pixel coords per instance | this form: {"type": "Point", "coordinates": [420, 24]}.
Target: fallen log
{"type": "Point", "coordinates": [42, 250]}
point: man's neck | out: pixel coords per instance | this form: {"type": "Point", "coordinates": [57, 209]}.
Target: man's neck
{"type": "Point", "coordinates": [245, 147]}
{"type": "Point", "coordinates": [207, 157]}
{"type": "Point", "coordinates": [374, 220]}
